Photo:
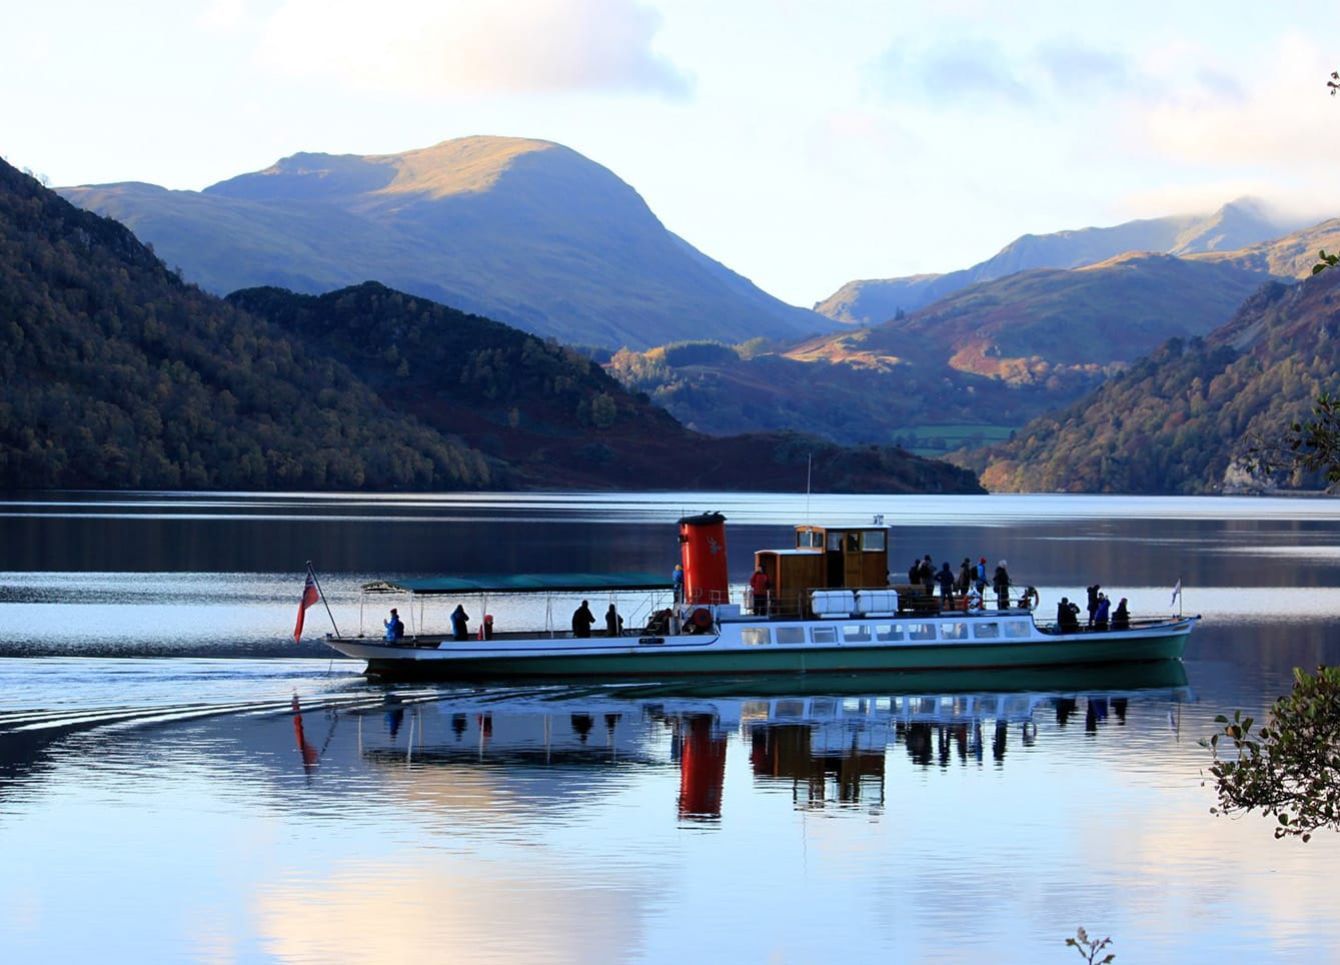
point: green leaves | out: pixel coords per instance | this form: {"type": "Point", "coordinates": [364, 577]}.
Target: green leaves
{"type": "Point", "coordinates": [1291, 768]}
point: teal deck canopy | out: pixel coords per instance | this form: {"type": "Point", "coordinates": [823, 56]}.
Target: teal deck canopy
{"type": "Point", "coordinates": [522, 583]}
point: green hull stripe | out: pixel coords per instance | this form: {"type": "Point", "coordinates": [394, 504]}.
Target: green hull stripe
{"type": "Point", "coordinates": [778, 659]}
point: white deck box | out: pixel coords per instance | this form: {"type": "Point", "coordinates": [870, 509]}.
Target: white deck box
{"type": "Point", "coordinates": [832, 604]}
{"type": "Point", "coordinates": [877, 603]}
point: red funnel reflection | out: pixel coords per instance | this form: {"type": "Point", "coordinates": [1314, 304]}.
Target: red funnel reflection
{"type": "Point", "coordinates": [702, 769]}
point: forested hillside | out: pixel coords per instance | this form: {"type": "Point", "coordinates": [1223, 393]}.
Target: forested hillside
{"type": "Point", "coordinates": [116, 374]}
{"type": "Point", "coordinates": [119, 375]}
{"type": "Point", "coordinates": [1179, 420]}
{"type": "Point", "coordinates": [552, 414]}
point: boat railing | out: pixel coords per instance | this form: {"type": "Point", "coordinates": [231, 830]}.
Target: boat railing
{"type": "Point", "coordinates": [909, 604]}
{"type": "Point", "coordinates": [1141, 623]}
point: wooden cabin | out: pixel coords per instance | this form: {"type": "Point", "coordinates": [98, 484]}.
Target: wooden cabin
{"type": "Point", "coordinates": [824, 557]}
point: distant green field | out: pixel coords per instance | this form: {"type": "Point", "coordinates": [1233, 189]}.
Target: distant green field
{"type": "Point", "coordinates": [933, 440]}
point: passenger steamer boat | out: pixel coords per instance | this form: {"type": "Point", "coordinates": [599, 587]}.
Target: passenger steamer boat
{"type": "Point", "coordinates": [830, 608]}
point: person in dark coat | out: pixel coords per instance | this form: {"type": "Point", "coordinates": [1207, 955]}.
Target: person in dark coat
{"type": "Point", "coordinates": [1121, 617]}
{"type": "Point", "coordinates": [946, 580]}
{"type": "Point", "coordinates": [613, 622]}
{"type": "Point", "coordinates": [460, 623]}
{"type": "Point", "coordinates": [1093, 602]}
{"type": "Point", "coordinates": [1000, 582]}
{"type": "Point", "coordinates": [965, 576]}
{"type": "Point", "coordinates": [582, 620]}
{"type": "Point", "coordinates": [1067, 616]}
{"type": "Point", "coordinates": [928, 575]}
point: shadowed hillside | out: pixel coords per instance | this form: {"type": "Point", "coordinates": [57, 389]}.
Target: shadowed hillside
{"type": "Point", "coordinates": [118, 375]}
{"type": "Point", "coordinates": [553, 415]}
{"type": "Point", "coordinates": [524, 231]}
{"type": "Point", "coordinates": [1177, 421]}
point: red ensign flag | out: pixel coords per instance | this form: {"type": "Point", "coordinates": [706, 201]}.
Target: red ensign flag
{"type": "Point", "coordinates": [309, 596]}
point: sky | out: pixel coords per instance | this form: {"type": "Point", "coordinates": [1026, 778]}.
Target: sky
{"type": "Point", "coordinates": [802, 144]}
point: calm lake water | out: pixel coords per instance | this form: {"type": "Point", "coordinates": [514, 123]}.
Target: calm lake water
{"type": "Point", "coordinates": [160, 800]}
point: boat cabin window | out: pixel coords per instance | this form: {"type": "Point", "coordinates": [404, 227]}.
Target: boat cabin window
{"type": "Point", "coordinates": [921, 631]}
{"type": "Point", "coordinates": [807, 539]}
{"type": "Point", "coordinates": [789, 708]}
{"type": "Point", "coordinates": [886, 632]}
{"type": "Point", "coordinates": [823, 634]}
{"type": "Point", "coordinates": [755, 636]}
{"type": "Point", "coordinates": [872, 540]}
{"type": "Point", "coordinates": [1016, 629]}
{"type": "Point", "coordinates": [856, 634]}
{"type": "Point", "coordinates": [835, 541]}
{"type": "Point", "coordinates": [790, 634]}
{"type": "Point", "coordinates": [953, 631]}
{"type": "Point", "coordinates": [853, 542]}
{"type": "Point", "coordinates": [986, 631]}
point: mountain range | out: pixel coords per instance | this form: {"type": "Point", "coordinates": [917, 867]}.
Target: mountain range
{"type": "Point", "coordinates": [1234, 226]}
{"type": "Point", "coordinates": [972, 366]}
{"type": "Point", "coordinates": [118, 374]}
{"type": "Point", "coordinates": [527, 232]}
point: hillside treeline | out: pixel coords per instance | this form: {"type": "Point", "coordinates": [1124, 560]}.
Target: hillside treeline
{"type": "Point", "coordinates": [1187, 418]}
{"type": "Point", "coordinates": [116, 374]}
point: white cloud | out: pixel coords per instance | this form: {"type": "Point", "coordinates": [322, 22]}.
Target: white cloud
{"type": "Point", "coordinates": [428, 49]}
{"type": "Point", "coordinates": [1274, 112]}
{"type": "Point", "coordinates": [222, 15]}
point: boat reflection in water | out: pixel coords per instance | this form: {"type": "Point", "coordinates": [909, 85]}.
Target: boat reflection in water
{"type": "Point", "coordinates": [827, 738]}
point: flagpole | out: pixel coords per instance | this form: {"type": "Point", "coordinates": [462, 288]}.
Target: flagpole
{"type": "Point", "coordinates": [322, 593]}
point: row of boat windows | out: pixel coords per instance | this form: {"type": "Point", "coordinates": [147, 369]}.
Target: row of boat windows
{"type": "Point", "coordinates": [886, 632]}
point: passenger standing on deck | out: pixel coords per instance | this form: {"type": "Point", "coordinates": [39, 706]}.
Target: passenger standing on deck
{"type": "Point", "coordinates": [395, 630]}
{"type": "Point", "coordinates": [928, 575]}
{"type": "Point", "coordinates": [1000, 582]}
{"type": "Point", "coordinates": [965, 576]}
{"type": "Point", "coordinates": [460, 623]}
{"type": "Point", "coordinates": [759, 586]}
{"type": "Point", "coordinates": [1121, 617]}
{"type": "Point", "coordinates": [1067, 616]}
{"type": "Point", "coordinates": [1093, 602]}
{"type": "Point", "coordinates": [981, 576]}
{"type": "Point", "coordinates": [582, 620]}
{"type": "Point", "coordinates": [613, 622]}
{"type": "Point", "coordinates": [678, 579]}
{"type": "Point", "coordinates": [946, 580]}
{"type": "Point", "coordinates": [1100, 615]}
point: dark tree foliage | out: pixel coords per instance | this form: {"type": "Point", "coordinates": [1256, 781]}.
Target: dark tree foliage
{"type": "Point", "coordinates": [420, 355]}
{"type": "Point", "coordinates": [1178, 419]}
{"type": "Point", "coordinates": [116, 374]}
{"type": "Point", "coordinates": [554, 414]}
{"type": "Point", "coordinates": [1290, 769]}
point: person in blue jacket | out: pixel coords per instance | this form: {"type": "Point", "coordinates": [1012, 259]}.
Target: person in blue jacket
{"type": "Point", "coordinates": [395, 630]}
